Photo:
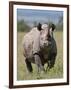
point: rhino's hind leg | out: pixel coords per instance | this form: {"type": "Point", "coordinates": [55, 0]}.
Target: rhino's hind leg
{"type": "Point", "coordinates": [28, 65]}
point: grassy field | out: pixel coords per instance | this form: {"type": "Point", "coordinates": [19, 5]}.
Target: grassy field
{"type": "Point", "coordinates": [55, 72]}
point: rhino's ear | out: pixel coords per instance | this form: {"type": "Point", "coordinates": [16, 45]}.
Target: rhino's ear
{"type": "Point", "coordinates": [53, 27]}
{"type": "Point", "coordinates": [39, 26]}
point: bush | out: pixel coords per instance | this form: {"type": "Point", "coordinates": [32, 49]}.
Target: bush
{"type": "Point", "coordinates": [22, 26]}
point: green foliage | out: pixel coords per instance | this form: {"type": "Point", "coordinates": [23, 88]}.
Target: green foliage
{"type": "Point", "coordinates": [59, 25]}
{"type": "Point", "coordinates": [22, 26]}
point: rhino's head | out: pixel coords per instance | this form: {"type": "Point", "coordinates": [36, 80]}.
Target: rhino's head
{"type": "Point", "coordinates": [46, 35]}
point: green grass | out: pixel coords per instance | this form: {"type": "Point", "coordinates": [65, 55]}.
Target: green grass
{"type": "Point", "coordinates": [55, 72]}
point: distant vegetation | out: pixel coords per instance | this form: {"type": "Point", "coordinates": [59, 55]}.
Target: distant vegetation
{"type": "Point", "coordinates": [59, 25]}
{"type": "Point", "coordinates": [22, 26]}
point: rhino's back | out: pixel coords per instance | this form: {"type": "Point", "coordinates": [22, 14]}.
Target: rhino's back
{"type": "Point", "coordinates": [28, 41]}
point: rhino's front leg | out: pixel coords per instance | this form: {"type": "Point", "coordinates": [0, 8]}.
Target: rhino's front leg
{"type": "Point", "coordinates": [28, 65]}
{"type": "Point", "coordinates": [38, 62]}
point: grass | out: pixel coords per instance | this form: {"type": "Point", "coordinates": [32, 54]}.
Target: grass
{"type": "Point", "coordinates": [55, 72]}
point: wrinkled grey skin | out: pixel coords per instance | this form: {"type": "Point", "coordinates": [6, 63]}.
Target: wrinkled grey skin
{"type": "Point", "coordinates": [46, 53]}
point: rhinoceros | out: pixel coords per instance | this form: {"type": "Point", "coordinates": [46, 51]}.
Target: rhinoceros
{"type": "Point", "coordinates": [39, 47]}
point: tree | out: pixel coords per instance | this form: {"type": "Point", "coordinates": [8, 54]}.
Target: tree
{"type": "Point", "coordinates": [60, 23]}
{"type": "Point", "coordinates": [22, 26]}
